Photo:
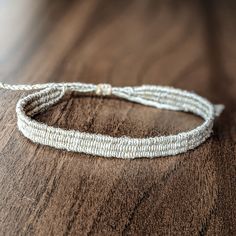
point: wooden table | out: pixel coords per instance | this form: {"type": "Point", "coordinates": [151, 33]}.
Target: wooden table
{"type": "Point", "coordinates": [185, 44]}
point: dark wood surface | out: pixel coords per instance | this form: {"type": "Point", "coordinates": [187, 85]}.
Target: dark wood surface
{"type": "Point", "coordinates": [186, 44]}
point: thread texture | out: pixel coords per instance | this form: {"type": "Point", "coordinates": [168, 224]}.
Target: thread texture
{"type": "Point", "coordinates": [105, 145]}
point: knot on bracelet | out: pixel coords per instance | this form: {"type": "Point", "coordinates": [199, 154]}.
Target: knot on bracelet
{"type": "Point", "coordinates": [104, 89]}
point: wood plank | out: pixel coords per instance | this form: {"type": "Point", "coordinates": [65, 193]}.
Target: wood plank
{"type": "Point", "coordinates": [44, 191]}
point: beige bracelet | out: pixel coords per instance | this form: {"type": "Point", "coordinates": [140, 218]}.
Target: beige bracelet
{"type": "Point", "coordinates": [105, 145]}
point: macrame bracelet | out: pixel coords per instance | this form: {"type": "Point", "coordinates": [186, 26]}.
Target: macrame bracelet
{"type": "Point", "coordinates": [107, 146]}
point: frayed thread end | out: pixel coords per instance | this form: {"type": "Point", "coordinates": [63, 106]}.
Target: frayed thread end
{"type": "Point", "coordinates": [219, 109]}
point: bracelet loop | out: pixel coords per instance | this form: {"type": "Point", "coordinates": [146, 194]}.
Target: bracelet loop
{"type": "Point", "coordinates": [105, 145]}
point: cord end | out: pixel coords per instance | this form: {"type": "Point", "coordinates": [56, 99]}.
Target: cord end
{"type": "Point", "coordinates": [2, 85]}
{"type": "Point", "coordinates": [218, 109]}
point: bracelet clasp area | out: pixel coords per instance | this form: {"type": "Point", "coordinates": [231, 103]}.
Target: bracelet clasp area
{"type": "Point", "coordinates": [103, 89]}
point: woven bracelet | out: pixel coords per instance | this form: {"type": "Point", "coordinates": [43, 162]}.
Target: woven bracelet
{"type": "Point", "coordinates": [105, 145]}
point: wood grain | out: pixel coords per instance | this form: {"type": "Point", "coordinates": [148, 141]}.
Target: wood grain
{"type": "Point", "coordinates": [186, 44]}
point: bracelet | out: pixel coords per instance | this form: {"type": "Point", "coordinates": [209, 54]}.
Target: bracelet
{"type": "Point", "coordinates": [104, 145]}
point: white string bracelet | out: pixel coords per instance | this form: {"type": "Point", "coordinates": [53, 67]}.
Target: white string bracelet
{"type": "Point", "coordinates": [105, 145]}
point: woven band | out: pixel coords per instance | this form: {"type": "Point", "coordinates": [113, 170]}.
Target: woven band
{"type": "Point", "coordinates": [107, 146]}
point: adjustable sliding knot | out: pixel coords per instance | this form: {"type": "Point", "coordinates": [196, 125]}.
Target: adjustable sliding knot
{"type": "Point", "coordinates": [104, 89]}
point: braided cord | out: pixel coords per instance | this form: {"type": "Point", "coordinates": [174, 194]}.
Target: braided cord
{"type": "Point", "coordinates": [105, 145]}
